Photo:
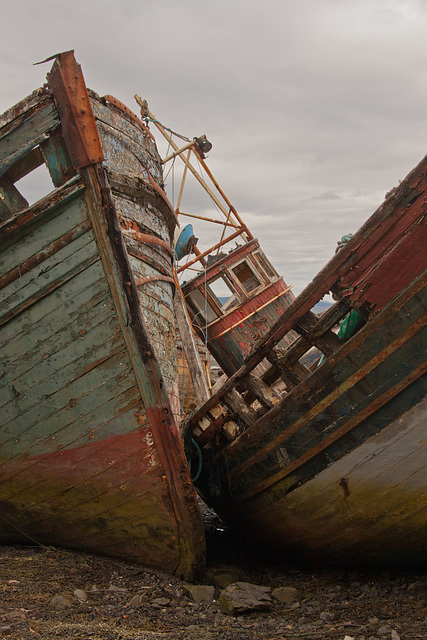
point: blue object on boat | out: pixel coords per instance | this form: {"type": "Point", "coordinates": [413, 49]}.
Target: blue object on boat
{"type": "Point", "coordinates": [185, 242]}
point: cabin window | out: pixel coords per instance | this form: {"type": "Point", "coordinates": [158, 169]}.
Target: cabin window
{"type": "Point", "coordinates": [265, 264]}
{"type": "Point", "coordinates": [224, 293]}
{"type": "Point", "coordinates": [202, 306]}
{"type": "Point", "coordinates": [246, 277]}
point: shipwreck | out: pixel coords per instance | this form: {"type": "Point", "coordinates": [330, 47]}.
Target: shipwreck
{"type": "Point", "coordinates": [90, 452]}
{"type": "Point", "coordinates": [313, 439]}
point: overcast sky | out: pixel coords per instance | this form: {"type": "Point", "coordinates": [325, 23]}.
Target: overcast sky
{"type": "Point", "coordinates": [315, 108]}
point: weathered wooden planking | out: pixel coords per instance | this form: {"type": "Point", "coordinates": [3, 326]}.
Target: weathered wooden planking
{"type": "Point", "coordinates": [40, 323]}
{"type": "Point", "coordinates": [105, 419]}
{"type": "Point", "coordinates": [29, 474]}
{"type": "Point", "coordinates": [385, 479]}
{"type": "Point", "coordinates": [146, 217]}
{"type": "Point", "coordinates": [149, 254]}
{"type": "Point", "coordinates": [232, 336]}
{"type": "Point", "coordinates": [332, 367]}
{"type": "Point", "coordinates": [381, 373]}
{"type": "Point", "coordinates": [301, 460]}
{"type": "Point", "coordinates": [32, 131]}
{"type": "Point", "coordinates": [136, 516]}
{"type": "Point", "coordinates": [30, 281]}
{"type": "Point", "coordinates": [345, 264]}
{"type": "Point", "coordinates": [60, 272]}
{"type": "Point", "coordinates": [143, 190]}
{"type": "Point", "coordinates": [14, 116]}
{"type": "Point", "coordinates": [11, 200]}
{"type": "Point", "coordinates": [392, 445]}
{"type": "Point", "coordinates": [126, 146]}
{"type": "Point", "coordinates": [101, 340]}
{"type": "Point", "coordinates": [31, 350]}
{"type": "Point", "coordinates": [401, 259]}
{"type": "Point", "coordinates": [56, 158]}
{"type": "Point", "coordinates": [91, 456]}
{"type": "Point", "coordinates": [71, 401]}
{"type": "Point", "coordinates": [63, 218]}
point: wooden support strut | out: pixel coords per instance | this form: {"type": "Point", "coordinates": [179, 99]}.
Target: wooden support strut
{"type": "Point", "coordinates": [205, 253]}
{"type": "Point", "coordinates": [227, 211]}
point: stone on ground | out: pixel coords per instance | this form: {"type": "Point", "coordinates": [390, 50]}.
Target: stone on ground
{"type": "Point", "coordinates": [243, 597]}
{"type": "Point", "coordinates": [285, 594]}
{"type": "Point", "coordinates": [59, 603]}
{"type": "Point", "coordinates": [199, 593]}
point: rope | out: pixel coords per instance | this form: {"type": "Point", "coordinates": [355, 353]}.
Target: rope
{"type": "Point", "coordinates": [200, 457]}
{"type": "Point", "coordinates": [188, 394]}
{"type": "Point", "coordinates": [178, 135]}
{"type": "Point", "coordinates": [179, 292]}
{"type": "Point", "coordinates": [39, 544]}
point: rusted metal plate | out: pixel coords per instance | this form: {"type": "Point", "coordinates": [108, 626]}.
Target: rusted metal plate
{"type": "Point", "coordinates": [73, 104]}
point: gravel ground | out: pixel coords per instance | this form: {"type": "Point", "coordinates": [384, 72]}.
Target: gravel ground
{"type": "Point", "coordinates": [49, 593]}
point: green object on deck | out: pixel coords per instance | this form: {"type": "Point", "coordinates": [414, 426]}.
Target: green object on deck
{"type": "Point", "coordinates": [349, 325]}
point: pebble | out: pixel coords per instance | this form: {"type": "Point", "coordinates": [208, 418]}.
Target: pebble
{"type": "Point", "coordinates": [243, 597]}
{"type": "Point", "coordinates": [382, 631]}
{"type": "Point", "coordinates": [418, 587]}
{"type": "Point", "coordinates": [199, 593]}
{"type": "Point", "coordinates": [326, 616]}
{"type": "Point", "coordinates": [115, 589]}
{"type": "Point", "coordinates": [80, 595]}
{"type": "Point", "coordinates": [59, 603]}
{"type": "Point", "coordinates": [135, 601]}
{"type": "Point", "coordinates": [319, 607]}
{"type": "Point", "coordinates": [161, 601]}
{"type": "Point", "coordinates": [15, 615]}
{"type": "Point", "coordinates": [222, 579]}
{"type": "Point", "coordinates": [285, 594]}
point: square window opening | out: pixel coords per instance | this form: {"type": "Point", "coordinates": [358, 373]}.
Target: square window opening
{"type": "Point", "coordinates": [223, 292]}
{"type": "Point", "coordinates": [36, 184]}
{"type": "Point", "coordinates": [246, 277]}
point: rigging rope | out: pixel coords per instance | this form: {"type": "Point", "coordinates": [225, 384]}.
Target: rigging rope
{"type": "Point", "coordinates": [149, 119]}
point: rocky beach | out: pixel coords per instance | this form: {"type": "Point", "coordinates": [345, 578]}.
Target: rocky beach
{"type": "Point", "coordinates": [57, 594]}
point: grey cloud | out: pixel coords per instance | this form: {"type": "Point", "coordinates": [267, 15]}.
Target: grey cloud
{"type": "Point", "coordinates": [326, 195]}
{"type": "Point", "coordinates": [315, 109]}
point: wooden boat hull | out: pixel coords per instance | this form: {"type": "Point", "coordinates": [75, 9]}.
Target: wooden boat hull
{"type": "Point", "coordinates": [336, 466]}
{"type": "Point", "coordinates": [368, 505]}
{"type": "Point", "coordinates": [90, 454]}
{"type": "Point", "coordinates": [343, 473]}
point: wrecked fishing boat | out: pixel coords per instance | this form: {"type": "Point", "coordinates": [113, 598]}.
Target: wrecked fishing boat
{"type": "Point", "coordinates": [314, 440]}
{"type": "Point", "coordinates": [90, 453]}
